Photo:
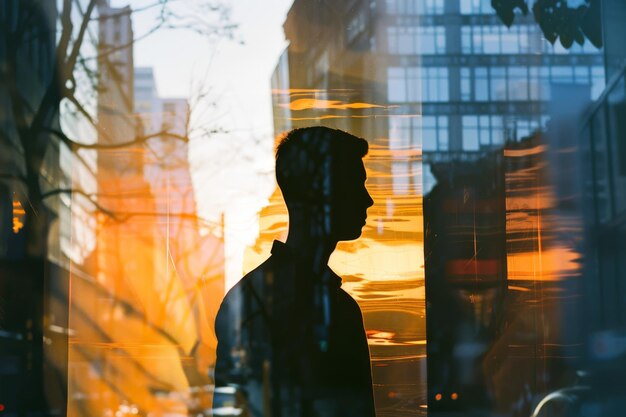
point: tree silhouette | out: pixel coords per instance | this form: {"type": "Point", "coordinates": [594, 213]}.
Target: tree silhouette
{"type": "Point", "coordinates": [36, 121]}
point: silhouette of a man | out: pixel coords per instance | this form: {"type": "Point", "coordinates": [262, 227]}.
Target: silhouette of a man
{"type": "Point", "coordinates": [290, 340]}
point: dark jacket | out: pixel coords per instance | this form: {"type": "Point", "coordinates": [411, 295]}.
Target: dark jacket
{"type": "Point", "coordinates": [293, 344]}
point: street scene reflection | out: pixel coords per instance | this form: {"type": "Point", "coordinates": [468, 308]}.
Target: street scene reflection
{"type": "Point", "coordinates": [140, 181]}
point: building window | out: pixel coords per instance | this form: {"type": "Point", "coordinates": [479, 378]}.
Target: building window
{"type": "Point", "coordinates": [497, 84]}
{"type": "Point", "coordinates": [597, 82]}
{"type": "Point", "coordinates": [411, 40]}
{"type": "Point", "coordinates": [470, 133]}
{"type": "Point", "coordinates": [403, 133]}
{"type": "Point", "coordinates": [562, 75]}
{"type": "Point", "coordinates": [518, 83]}
{"type": "Point", "coordinates": [476, 7]}
{"type": "Point", "coordinates": [481, 82]}
{"type": "Point", "coordinates": [495, 40]}
{"type": "Point", "coordinates": [396, 85]}
{"type": "Point", "coordinates": [482, 131]}
{"type": "Point", "coordinates": [466, 84]}
{"type": "Point", "coordinates": [428, 133]}
{"type": "Point", "coordinates": [417, 84]}
{"type": "Point", "coordinates": [434, 133]}
{"type": "Point", "coordinates": [415, 7]}
{"type": "Point", "coordinates": [517, 128]}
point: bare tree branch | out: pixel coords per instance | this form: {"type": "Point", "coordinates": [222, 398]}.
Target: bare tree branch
{"type": "Point", "coordinates": [102, 146]}
{"type": "Point", "coordinates": [123, 216]}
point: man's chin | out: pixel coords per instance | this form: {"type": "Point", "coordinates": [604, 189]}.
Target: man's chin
{"type": "Point", "coordinates": [351, 236]}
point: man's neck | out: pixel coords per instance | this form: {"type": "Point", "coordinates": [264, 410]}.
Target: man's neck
{"type": "Point", "coordinates": [311, 250]}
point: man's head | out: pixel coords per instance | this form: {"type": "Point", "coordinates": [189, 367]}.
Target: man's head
{"type": "Point", "coordinates": [320, 171]}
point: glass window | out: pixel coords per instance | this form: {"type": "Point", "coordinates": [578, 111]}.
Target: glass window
{"type": "Point", "coordinates": [417, 84]}
{"type": "Point", "coordinates": [497, 130]}
{"type": "Point", "coordinates": [562, 75]}
{"type": "Point", "coordinates": [429, 133]}
{"type": "Point", "coordinates": [396, 85]}
{"type": "Point", "coordinates": [470, 133]}
{"type": "Point", "coordinates": [414, 83]}
{"type": "Point", "coordinates": [476, 7]}
{"type": "Point", "coordinates": [466, 39]}
{"type": "Point", "coordinates": [480, 131]}
{"type": "Point", "coordinates": [518, 83]}
{"type": "Point", "coordinates": [481, 82]}
{"type": "Point", "coordinates": [497, 84]}
{"type": "Point", "coordinates": [581, 75]}
{"type": "Point", "coordinates": [597, 82]}
{"type": "Point", "coordinates": [415, 7]}
{"type": "Point", "coordinates": [534, 86]}
{"type": "Point", "coordinates": [423, 40]}
{"type": "Point", "coordinates": [466, 84]}
{"type": "Point", "coordinates": [434, 133]}
{"type": "Point", "coordinates": [400, 132]}
{"type": "Point", "coordinates": [496, 39]}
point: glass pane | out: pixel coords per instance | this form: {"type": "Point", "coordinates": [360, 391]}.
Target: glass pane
{"type": "Point", "coordinates": [312, 208]}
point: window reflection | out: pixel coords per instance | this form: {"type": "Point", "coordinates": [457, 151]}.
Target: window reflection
{"type": "Point", "coordinates": [413, 7]}
{"type": "Point", "coordinates": [490, 267]}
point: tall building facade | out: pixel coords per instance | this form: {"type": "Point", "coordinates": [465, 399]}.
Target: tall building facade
{"type": "Point", "coordinates": [451, 101]}
{"type": "Point", "coordinates": [190, 250]}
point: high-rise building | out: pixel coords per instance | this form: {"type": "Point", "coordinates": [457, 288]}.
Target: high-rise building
{"type": "Point", "coordinates": [442, 90]}
{"type": "Point", "coordinates": [189, 249]}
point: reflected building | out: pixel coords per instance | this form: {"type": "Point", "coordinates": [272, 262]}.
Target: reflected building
{"type": "Point", "coordinates": [102, 308]}
{"type": "Point", "coordinates": [438, 88]}
{"type": "Point", "coordinates": [190, 250]}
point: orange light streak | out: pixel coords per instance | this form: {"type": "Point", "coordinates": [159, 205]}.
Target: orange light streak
{"type": "Point", "coordinates": [313, 103]}
{"type": "Point", "coordinates": [18, 216]}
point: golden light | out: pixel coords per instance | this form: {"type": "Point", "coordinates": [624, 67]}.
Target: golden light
{"type": "Point", "coordinates": [18, 216]}
{"type": "Point", "coordinates": [313, 103]}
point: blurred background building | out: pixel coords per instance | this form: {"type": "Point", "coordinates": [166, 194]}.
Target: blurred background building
{"type": "Point", "coordinates": [456, 107]}
{"type": "Point", "coordinates": [144, 325]}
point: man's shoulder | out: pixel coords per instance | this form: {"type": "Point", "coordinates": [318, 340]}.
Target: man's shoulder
{"type": "Point", "coordinates": [251, 279]}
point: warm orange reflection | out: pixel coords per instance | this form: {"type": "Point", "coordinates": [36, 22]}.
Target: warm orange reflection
{"type": "Point", "coordinates": [384, 269]}
{"type": "Point", "coordinates": [313, 103]}
{"type": "Point", "coordinates": [18, 216]}
{"type": "Point", "coordinates": [143, 340]}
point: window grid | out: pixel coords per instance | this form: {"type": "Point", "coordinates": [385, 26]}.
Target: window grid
{"type": "Point", "coordinates": [496, 40]}
{"type": "Point", "coordinates": [428, 133]}
{"type": "Point", "coordinates": [417, 84]}
{"type": "Point", "coordinates": [476, 7]}
{"type": "Point", "coordinates": [518, 83]}
{"type": "Point", "coordinates": [422, 40]}
{"type": "Point", "coordinates": [415, 7]}
{"type": "Point", "coordinates": [480, 131]}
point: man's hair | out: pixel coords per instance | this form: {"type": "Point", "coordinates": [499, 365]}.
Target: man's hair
{"type": "Point", "coordinates": [307, 158]}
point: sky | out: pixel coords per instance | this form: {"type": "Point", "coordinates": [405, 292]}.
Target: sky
{"type": "Point", "coordinates": [233, 171]}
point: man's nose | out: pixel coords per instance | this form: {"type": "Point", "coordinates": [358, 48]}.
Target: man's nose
{"type": "Point", "coordinates": [369, 200]}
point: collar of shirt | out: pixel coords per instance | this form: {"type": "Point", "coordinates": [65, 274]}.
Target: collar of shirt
{"type": "Point", "coordinates": [282, 252]}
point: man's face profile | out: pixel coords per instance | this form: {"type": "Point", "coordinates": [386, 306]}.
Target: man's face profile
{"type": "Point", "coordinates": [350, 199]}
